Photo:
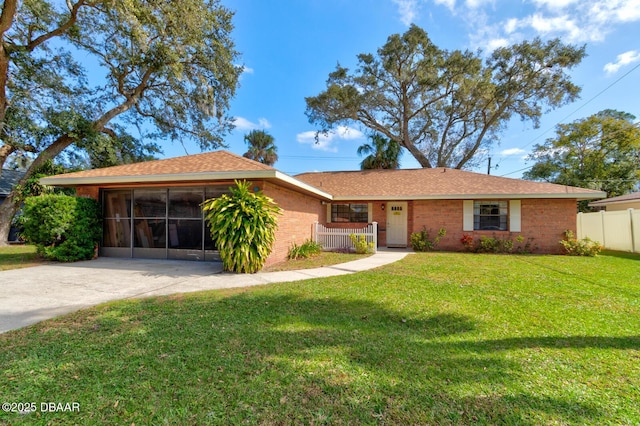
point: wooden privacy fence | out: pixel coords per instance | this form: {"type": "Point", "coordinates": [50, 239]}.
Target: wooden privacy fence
{"type": "Point", "coordinates": [617, 230]}
{"type": "Point", "coordinates": [338, 238]}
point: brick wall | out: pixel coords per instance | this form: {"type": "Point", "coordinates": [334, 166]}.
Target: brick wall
{"type": "Point", "coordinates": [295, 224]}
{"type": "Point", "coordinates": [436, 214]}
{"type": "Point", "coordinates": [88, 192]}
{"type": "Point", "coordinates": [544, 220]}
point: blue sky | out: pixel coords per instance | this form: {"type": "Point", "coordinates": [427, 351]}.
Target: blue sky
{"type": "Point", "coordinates": [289, 47]}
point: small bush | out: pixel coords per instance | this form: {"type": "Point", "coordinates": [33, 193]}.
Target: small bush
{"type": "Point", "coordinates": [420, 241]}
{"type": "Point", "coordinates": [361, 245]}
{"type": "Point", "coordinates": [467, 242]}
{"type": "Point", "coordinates": [304, 251]}
{"type": "Point", "coordinates": [243, 226]}
{"type": "Point", "coordinates": [503, 245]}
{"type": "Point", "coordinates": [583, 247]}
{"type": "Point", "coordinates": [63, 228]}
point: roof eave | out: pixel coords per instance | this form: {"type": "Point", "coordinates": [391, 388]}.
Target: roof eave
{"type": "Point", "coordinates": [272, 174]}
{"type": "Point", "coordinates": [577, 195]}
{"type": "Point", "coordinates": [603, 203]}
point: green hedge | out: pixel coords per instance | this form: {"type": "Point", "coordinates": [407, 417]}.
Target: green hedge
{"type": "Point", "coordinates": [63, 228]}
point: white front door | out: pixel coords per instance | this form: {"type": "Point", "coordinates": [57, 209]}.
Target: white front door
{"type": "Point", "coordinates": [397, 224]}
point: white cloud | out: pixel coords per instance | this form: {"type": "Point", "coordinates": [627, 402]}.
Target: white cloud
{"type": "Point", "coordinates": [574, 21]}
{"type": "Point", "coordinates": [450, 4]}
{"type": "Point", "coordinates": [407, 9]}
{"type": "Point", "coordinates": [496, 43]}
{"type": "Point", "coordinates": [473, 4]}
{"type": "Point", "coordinates": [327, 142]}
{"type": "Point", "coordinates": [264, 123]}
{"type": "Point", "coordinates": [242, 123]}
{"type": "Point", "coordinates": [512, 151]}
{"type": "Point", "coordinates": [511, 25]}
{"type": "Point", "coordinates": [554, 4]}
{"type": "Point", "coordinates": [622, 59]}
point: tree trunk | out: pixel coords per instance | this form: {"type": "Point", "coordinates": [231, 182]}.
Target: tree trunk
{"type": "Point", "coordinates": [418, 155]}
{"type": "Point", "coordinates": [11, 204]}
{"type": "Point", "coordinates": [8, 210]}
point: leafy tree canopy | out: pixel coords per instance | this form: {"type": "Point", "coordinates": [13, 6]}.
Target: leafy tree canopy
{"type": "Point", "coordinates": [163, 67]}
{"type": "Point", "coordinates": [444, 106]}
{"type": "Point", "coordinates": [600, 152]}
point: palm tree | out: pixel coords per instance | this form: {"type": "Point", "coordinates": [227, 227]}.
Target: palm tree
{"type": "Point", "coordinates": [383, 153]}
{"type": "Point", "coordinates": [261, 147]}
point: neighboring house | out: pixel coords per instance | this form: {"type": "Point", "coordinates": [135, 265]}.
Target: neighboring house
{"type": "Point", "coordinates": [8, 180]}
{"type": "Point", "coordinates": [623, 202]}
{"type": "Point", "coordinates": [152, 209]}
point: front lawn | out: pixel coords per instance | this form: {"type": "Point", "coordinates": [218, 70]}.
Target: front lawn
{"type": "Point", "coordinates": [437, 338]}
{"type": "Point", "coordinates": [19, 256]}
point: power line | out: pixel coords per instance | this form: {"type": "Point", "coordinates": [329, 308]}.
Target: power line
{"type": "Point", "coordinates": [608, 137]}
{"type": "Point", "coordinates": [572, 113]}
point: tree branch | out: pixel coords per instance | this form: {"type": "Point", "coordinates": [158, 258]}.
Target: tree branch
{"type": "Point", "coordinates": [73, 17]}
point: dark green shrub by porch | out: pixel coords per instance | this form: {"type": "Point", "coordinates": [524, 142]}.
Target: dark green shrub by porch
{"type": "Point", "coordinates": [63, 228]}
{"type": "Point", "coordinates": [243, 226]}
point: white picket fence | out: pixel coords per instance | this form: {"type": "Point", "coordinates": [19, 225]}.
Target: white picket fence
{"type": "Point", "coordinates": [338, 238]}
{"type": "Point", "coordinates": [616, 230]}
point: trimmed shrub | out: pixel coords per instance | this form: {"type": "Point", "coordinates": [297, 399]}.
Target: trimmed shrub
{"type": "Point", "coordinates": [421, 241]}
{"type": "Point", "coordinates": [583, 247]}
{"type": "Point", "coordinates": [361, 245]}
{"type": "Point", "coordinates": [308, 249]}
{"type": "Point", "coordinates": [243, 227]}
{"type": "Point", "coordinates": [504, 245]}
{"type": "Point", "coordinates": [63, 228]}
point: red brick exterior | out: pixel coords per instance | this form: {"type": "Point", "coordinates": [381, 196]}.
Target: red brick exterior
{"type": "Point", "coordinates": [88, 192]}
{"type": "Point", "coordinates": [295, 225]}
{"type": "Point", "coordinates": [544, 221]}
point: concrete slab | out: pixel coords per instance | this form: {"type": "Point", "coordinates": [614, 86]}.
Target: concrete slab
{"type": "Point", "coordinates": [30, 295]}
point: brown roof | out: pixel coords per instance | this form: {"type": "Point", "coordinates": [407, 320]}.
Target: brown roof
{"type": "Point", "coordinates": [434, 183]}
{"type": "Point", "coordinates": [218, 161]}
{"type": "Point", "coordinates": [634, 196]}
{"type": "Point", "coordinates": [438, 183]}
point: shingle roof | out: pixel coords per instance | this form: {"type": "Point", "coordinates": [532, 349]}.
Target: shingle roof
{"type": "Point", "coordinates": [207, 167]}
{"type": "Point", "coordinates": [433, 184]}
{"type": "Point", "coordinates": [8, 180]}
{"type": "Point", "coordinates": [438, 183]}
{"type": "Point", "coordinates": [218, 161]}
{"type": "Point", "coordinates": [634, 196]}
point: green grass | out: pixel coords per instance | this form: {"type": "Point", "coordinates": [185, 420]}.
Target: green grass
{"type": "Point", "coordinates": [437, 338]}
{"type": "Point", "coordinates": [18, 256]}
{"type": "Point", "coordinates": [323, 259]}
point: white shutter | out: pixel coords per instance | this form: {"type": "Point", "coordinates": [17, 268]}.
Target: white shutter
{"type": "Point", "coordinates": [467, 212]}
{"type": "Point", "coordinates": [514, 216]}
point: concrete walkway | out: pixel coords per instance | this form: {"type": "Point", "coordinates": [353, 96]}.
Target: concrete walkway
{"type": "Point", "coordinates": [30, 295]}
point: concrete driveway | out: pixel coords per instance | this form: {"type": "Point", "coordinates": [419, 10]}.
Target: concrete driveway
{"type": "Point", "coordinates": [33, 294]}
{"type": "Point", "coordinates": [30, 295]}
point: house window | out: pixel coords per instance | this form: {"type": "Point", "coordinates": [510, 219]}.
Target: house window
{"type": "Point", "coordinates": [350, 213]}
{"type": "Point", "coordinates": [490, 215]}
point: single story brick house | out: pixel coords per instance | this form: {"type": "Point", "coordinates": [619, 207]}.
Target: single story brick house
{"type": "Point", "coordinates": [152, 209]}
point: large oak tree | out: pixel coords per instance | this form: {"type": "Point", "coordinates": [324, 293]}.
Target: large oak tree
{"type": "Point", "coordinates": [444, 106]}
{"type": "Point", "coordinates": [165, 67]}
{"type": "Point", "coordinates": [601, 152]}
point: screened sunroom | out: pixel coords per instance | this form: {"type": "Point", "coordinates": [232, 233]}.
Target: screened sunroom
{"type": "Point", "coordinates": [158, 223]}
